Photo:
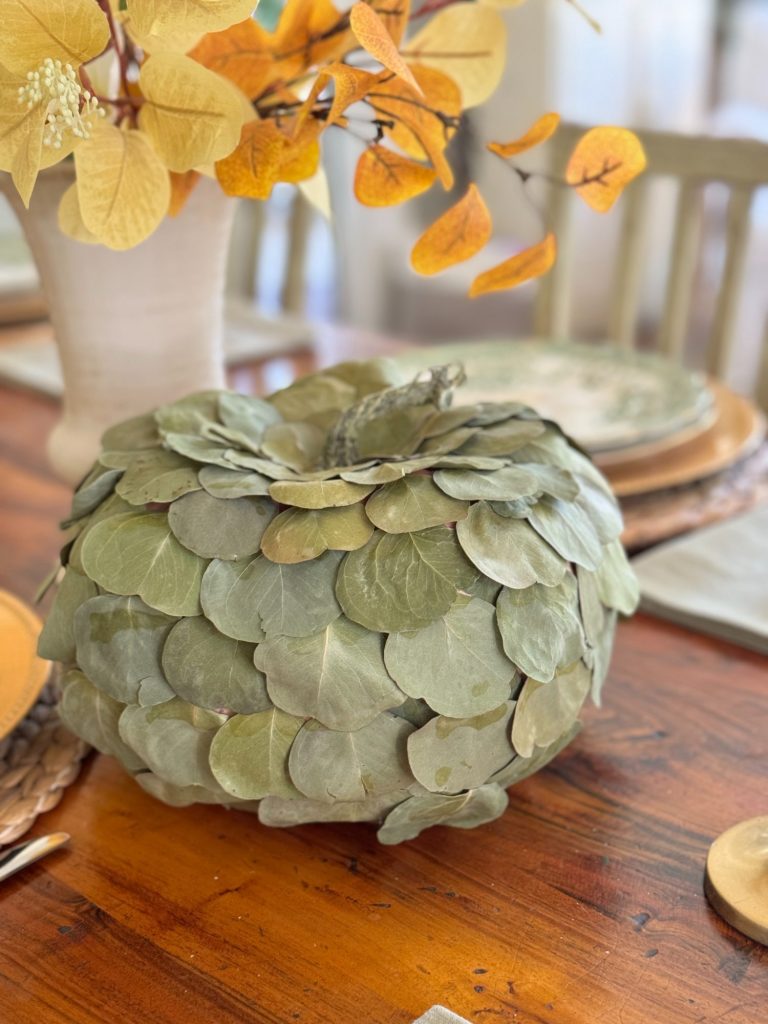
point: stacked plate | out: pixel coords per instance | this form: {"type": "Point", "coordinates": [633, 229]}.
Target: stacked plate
{"type": "Point", "coordinates": [649, 424]}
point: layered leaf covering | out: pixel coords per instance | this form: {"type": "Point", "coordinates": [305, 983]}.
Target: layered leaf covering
{"type": "Point", "coordinates": [350, 601]}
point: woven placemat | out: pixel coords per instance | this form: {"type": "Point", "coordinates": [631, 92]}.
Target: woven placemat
{"type": "Point", "coordinates": [38, 760]}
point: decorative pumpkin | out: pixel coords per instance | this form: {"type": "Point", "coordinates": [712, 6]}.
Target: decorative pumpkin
{"type": "Point", "coordinates": [350, 601]}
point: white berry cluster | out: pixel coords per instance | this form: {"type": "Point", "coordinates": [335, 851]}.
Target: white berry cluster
{"type": "Point", "coordinates": [70, 107]}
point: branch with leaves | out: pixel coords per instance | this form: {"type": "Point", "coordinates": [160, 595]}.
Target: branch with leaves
{"type": "Point", "coordinates": [148, 96]}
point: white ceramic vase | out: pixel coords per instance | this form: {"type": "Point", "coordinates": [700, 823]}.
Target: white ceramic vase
{"type": "Point", "coordinates": [134, 329]}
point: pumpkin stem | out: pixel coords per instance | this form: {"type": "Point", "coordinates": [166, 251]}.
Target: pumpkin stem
{"type": "Point", "coordinates": [434, 386]}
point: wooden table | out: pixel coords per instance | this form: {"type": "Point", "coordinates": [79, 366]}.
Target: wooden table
{"type": "Point", "coordinates": [582, 905]}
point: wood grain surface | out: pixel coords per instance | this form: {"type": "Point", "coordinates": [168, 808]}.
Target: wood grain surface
{"type": "Point", "coordinates": [583, 904]}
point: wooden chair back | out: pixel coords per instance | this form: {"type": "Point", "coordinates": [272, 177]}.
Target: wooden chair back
{"type": "Point", "coordinates": [694, 161]}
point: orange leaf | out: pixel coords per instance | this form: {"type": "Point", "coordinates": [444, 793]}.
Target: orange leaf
{"type": "Point", "coordinates": [254, 167]}
{"type": "Point", "coordinates": [461, 232]}
{"type": "Point", "coordinates": [371, 32]}
{"type": "Point", "coordinates": [396, 19]}
{"type": "Point", "coordinates": [241, 54]}
{"type": "Point", "coordinates": [603, 163]}
{"type": "Point", "coordinates": [182, 186]}
{"type": "Point", "coordinates": [539, 132]}
{"type": "Point", "coordinates": [349, 86]}
{"type": "Point", "coordinates": [384, 178]}
{"type": "Point", "coordinates": [307, 35]}
{"type": "Point", "coordinates": [523, 266]}
{"type": "Point", "coordinates": [423, 125]}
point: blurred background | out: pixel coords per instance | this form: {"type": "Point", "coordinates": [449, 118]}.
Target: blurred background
{"type": "Point", "coordinates": [690, 66]}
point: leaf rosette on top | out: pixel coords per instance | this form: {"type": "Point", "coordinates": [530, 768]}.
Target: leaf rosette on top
{"type": "Point", "coordinates": [351, 600]}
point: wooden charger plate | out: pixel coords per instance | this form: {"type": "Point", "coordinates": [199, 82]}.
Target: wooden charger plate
{"type": "Point", "coordinates": [22, 673]}
{"type": "Point", "coordinates": [737, 432]}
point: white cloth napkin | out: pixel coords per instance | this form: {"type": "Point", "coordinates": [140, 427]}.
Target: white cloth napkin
{"type": "Point", "coordinates": [714, 581]}
{"type": "Point", "coordinates": [439, 1015]}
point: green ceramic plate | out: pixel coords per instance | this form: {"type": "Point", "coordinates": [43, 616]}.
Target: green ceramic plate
{"type": "Point", "coordinates": [602, 396]}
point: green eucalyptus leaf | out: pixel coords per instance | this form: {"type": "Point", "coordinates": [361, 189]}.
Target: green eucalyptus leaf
{"type": "Point", "coordinates": [446, 421]}
{"type": "Point", "coordinates": [541, 627]}
{"type": "Point", "coordinates": [599, 504]}
{"type": "Point", "coordinates": [388, 472]}
{"type": "Point", "coordinates": [132, 435]}
{"type": "Point", "coordinates": [522, 767]}
{"type": "Point", "coordinates": [503, 438]}
{"type": "Point", "coordinates": [246, 414]}
{"type": "Point", "coordinates": [296, 445]}
{"type": "Point", "coordinates": [449, 755]}
{"type": "Point", "coordinates": [507, 484]}
{"type": "Point", "coordinates": [411, 504]}
{"type": "Point", "coordinates": [456, 663]}
{"type": "Point", "coordinates": [444, 444]}
{"type": "Point", "coordinates": [508, 550]}
{"type": "Point", "coordinates": [250, 600]}
{"type": "Point", "coordinates": [95, 489]}
{"type": "Point", "coordinates": [249, 755]}
{"type": "Point", "coordinates": [298, 534]}
{"type": "Point", "coordinates": [280, 813]}
{"type": "Point", "coordinates": [403, 580]}
{"type": "Point", "coordinates": [327, 765]}
{"type": "Point", "coordinates": [137, 554]}
{"type": "Point", "coordinates": [317, 494]}
{"type": "Point", "coordinates": [519, 509]}
{"type": "Point", "coordinates": [93, 716]}
{"type": "Point", "coordinates": [617, 584]}
{"type": "Point", "coordinates": [187, 415]}
{"type": "Point", "coordinates": [57, 639]}
{"type": "Point", "coordinates": [599, 657]}
{"type": "Point", "coordinates": [181, 796]}
{"type": "Point", "coordinates": [119, 647]}
{"type": "Point", "coordinates": [173, 740]}
{"type": "Point", "coordinates": [211, 670]}
{"type": "Point", "coordinates": [266, 467]}
{"type": "Point", "coordinates": [487, 414]}
{"type": "Point", "coordinates": [593, 613]}
{"type": "Point", "coordinates": [569, 530]}
{"type": "Point", "coordinates": [226, 528]}
{"type": "Point", "coordinates": [464, 810]}
{"type": "Point", "coordinates": [113, 506]}
{"type": "Point", "coordinates": [545, 711]}
{"type": "Point", "coordinates": [552, 480]}
{"type": "Point", "coordinates": [218, 434]}
{"type": "Point", "coordinates": [199, 449]}
{"type": "Point", "coordinates": [337, 675]}
{"type": "Point", "coordinates": [312, 395]}
{"type": "Point", "coordinates": [157, 476]}
{"type": "Point", "coordinates": [392, 434]}
{"type": "Point", "coordinates": [232, 483]}
{"type": "Point", "coordinates": [462, 461]}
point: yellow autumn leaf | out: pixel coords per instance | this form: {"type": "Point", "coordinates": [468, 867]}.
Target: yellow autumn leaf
{"type": "Point", "coordinates": [179, 42]}
{"type": "Point", "coordinates": [122, 185]}
{"type": "Point", "coordinates": [21, 135]}
{"type": "Point", "coordinates": [241, 54]}
{"type": "Point", "coordinates": [395, 18]}
{"type": "Point", "coordinates": [309, 33]}
{"type": "Point", "coordinates": [384, 178]}
{"type": "Point", "coordinates": [466, 41]}
{"type": "Point", "coordinates": [182, 187]}
{"type": "Point", "coordinates": [192, 115]}
{"type": "Point", "coordinates": [457, 235]}
{"type": "Point", "coordinates": [603, 163]}
{"type": "Point", "coordinates": [349, 86]}
{"type": "Point", "coordinates": [252, 169]}
{"type": "Point", "coordinates": [421, 129]}
{"type": "Point", "coordinates": [541, 130]}
{"type": "Point", "coordinates": [371, 32]}
{"type": "Point", "coordinates": [71, 219]}
{"type": "Point", "coordinates": [530, 263]}
{"type": "Point", "coordinates": [72, 31]}
{"type": "Point", "coordinates": [167, 19]}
